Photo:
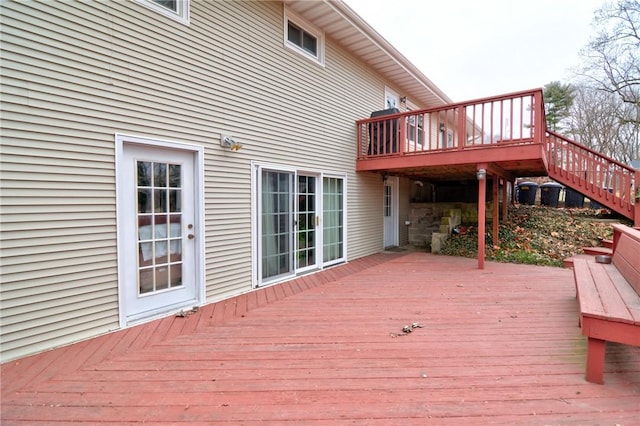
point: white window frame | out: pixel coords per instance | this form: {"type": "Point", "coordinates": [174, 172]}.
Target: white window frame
{"type": "Point", "coordinates": [415, 128]}
{"type": "Point", "coordinates": [182, 15]}
{"type": "Point", "coordinates": [308, 28]}
{"type": "Point", "coordinates": [391, 94]}
{"type": "Point", "coordinates": [343, 176]}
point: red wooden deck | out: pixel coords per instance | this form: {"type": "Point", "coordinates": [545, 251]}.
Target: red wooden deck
{"type": "Point", "coordinates": [498, 346]}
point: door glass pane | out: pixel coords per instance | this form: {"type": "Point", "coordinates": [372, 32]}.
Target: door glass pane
{"type": "Point", "coordinates": [333, 228]}
{"type": "Point", "coordinates": [306, 221]}
{"type": "Point", "coordinates": [276, 220]}
{"type": "Point", "coordinates": [159, 234]}
{"type": "Point", "coordinates": [387, 200]}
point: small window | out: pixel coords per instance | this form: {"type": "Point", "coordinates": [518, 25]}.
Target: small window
{"type": "Point", "coordinates": [415, 132]}
{"type": "Point", "coordinates": [175, 9]}
{"type": "Point", "coordinates": [303, 38]}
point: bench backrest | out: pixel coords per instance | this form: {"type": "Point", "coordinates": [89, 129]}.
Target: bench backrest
{"type": "Point", "coordinates": [626, 254]}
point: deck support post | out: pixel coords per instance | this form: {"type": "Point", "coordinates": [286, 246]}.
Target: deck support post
{"type": "Point", "coordinates": [505, 202]}
{"type": "Point", "coordinates": [496, 210]}
{"type": "Point", "coordinates": [482, 198]}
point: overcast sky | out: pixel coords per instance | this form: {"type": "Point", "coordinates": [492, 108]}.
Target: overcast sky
{"type": "Point", "coordinates": [477, 48]}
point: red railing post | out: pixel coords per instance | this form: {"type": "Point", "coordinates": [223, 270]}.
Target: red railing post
{"type": "Point", "coordinates": [636, 198]}
{"type": "Point", "coordinates": [402, 135]}
{"type": "Point", "coordinates": [359, 141]}
{"type": "Point", "coordinates": [539, 128]}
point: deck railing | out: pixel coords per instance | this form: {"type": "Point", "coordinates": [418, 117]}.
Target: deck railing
{"type": "Point", "coordinates": [595, 175]}
{"type": "Point", "coordinates": [506, 119]}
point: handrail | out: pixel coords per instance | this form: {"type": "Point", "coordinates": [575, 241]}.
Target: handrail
{"type": "Point", "coordinates": [601, 178]}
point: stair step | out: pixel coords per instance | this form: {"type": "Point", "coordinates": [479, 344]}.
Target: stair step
{"type": "Point", "coordinates": [607, 243]}
{"type": "Point", "coordinates": [594, 251]}
{"type": "Point", "coordinates": [568, 262]}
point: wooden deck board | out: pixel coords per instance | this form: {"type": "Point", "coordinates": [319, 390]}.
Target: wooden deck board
{"type": "Point", "coordinates": [499, 345]}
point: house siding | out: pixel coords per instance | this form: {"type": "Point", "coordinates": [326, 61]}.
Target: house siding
{"type": "Point", "coordinates": [77, 73]}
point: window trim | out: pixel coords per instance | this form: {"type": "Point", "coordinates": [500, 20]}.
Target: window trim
{"type": "Point", "coordinates": [309, 29]}
{"type": "Point", "coordinates": [182, 15]}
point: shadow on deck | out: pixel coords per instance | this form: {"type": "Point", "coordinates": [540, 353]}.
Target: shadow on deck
{"type": "Point", "coordinates": [497, 346]}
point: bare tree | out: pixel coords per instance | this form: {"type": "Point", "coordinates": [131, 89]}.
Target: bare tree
{"type": "Point", "coordinates": [596, 122]}
{"type": "Point", "coordinates": [612, 58]}
{"type": "Point", "coordinates": [606, 111]}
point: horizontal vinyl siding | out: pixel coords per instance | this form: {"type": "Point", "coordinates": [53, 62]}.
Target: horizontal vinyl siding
{"type": "Point", "coordinates": [59, 274]}
{"type": "Point", "coordinates": [76, 73]}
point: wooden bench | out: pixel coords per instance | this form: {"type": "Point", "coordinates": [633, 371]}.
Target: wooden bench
{"type": "Point", "coordinates": [609, 298]}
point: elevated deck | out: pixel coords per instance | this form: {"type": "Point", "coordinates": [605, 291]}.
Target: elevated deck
{"type": "Point", "coordinates": [447, 143]}
{"type": "Point", "coordinates": [504, 135]}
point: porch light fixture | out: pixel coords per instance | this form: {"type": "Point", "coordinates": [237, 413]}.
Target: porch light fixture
{"type": "Point", "coordinates": [230, 143]}
{"type": "Point", "coordinates": [384, 177]}
{"type": "Point", "coordinates": [481, 174]}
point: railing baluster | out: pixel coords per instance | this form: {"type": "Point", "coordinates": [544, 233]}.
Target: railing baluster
{"type": "Point", "coordinates": [462, 127]}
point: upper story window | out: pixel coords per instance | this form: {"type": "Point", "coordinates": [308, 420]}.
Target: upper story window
{"type": "Point", "coordinates": [174, 9]}
{"type": "Point", "coordinates": [303, 38]}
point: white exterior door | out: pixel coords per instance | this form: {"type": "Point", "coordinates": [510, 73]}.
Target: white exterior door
{"type": "Point", "coordinates": [390, 211]}
{"type": "Point", "coordinates": [159, 235]}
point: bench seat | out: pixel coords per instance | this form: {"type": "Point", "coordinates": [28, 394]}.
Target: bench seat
{"type": "Point", "coordinates": [609, 299]}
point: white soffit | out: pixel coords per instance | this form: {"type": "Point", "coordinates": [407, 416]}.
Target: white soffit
{"type": "Point", "coordinates": [341, 24]}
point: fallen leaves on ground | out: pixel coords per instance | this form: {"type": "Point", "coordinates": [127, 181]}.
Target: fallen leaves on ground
{"type": "Point", "coordinates": [538, 235]}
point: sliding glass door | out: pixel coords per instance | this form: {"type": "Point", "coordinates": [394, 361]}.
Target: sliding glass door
{"type": "Point", "coordinates": [306, 222]}
{"type": "Point", "coordinates": [333, 219]}
{"type": "Point", "coordinates": [276, 221]}
{"type": "Point", "coordinates": [300, 222]}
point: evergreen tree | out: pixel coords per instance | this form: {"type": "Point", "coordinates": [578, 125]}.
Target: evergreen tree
{"type": "Point", "coordinates": [558, 99]}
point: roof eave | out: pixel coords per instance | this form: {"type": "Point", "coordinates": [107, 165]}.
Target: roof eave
{"type": "Point", "coordinates": [394, 66]}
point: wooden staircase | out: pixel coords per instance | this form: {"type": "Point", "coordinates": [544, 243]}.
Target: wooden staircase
{"type": "Point", "coordinates": [606, 181]}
